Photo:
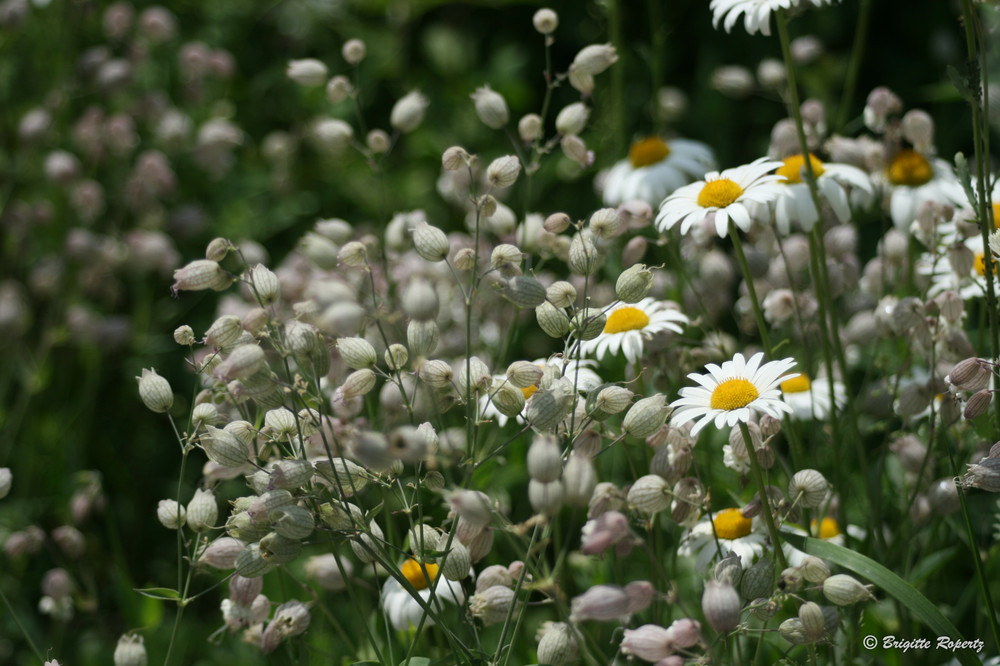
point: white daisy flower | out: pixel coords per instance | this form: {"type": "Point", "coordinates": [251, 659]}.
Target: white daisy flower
{"type": "Point", "coordinates": [629, 325]}
{"type": "Point", "coordinates": [756, 13]}
{"type": "Point", "coordinates": [810, 399]}
{"type": "Point", "coordinates": [581, 373]}
{"type": "Point", "coordinates": [941, 272]}
{"type": "Point", "coordinates": [912, 180]}
{"type": "Point", "coordinates": [399, 605]}
{"type": "Point", "coordinates": [795, 203]}
{"type": "Point", "coordinates": [724, 195]}
{"type": "Point", "coordinates": [827, 529]}
{"type": "Point", "coordinates": [731, 393]}
{"type": "Point", "coordinates": [654, 169]}
{"type": "Point", "coordinates": [735, 533]}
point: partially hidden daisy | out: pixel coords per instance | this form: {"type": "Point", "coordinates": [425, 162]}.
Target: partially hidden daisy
{"type": "Point", "coordinates": [795, 204]}
{"type": "Point", "coordinates": [811, 398]}
{"type": "Point", "coordinates": [655, 168]}
{"type": "Point", "coordinates": [630, 325]}
{"type": "Point", "coordinates": [580, 373]}
{"type": "Point", "coordinates": [732, 392]}
{"type": "Point", "coordinates": [827, 529]}
{"type": "Point", "coordinates": [723, 195]}
{"type": "Point", "coordinates": [756, 13]}
{"type": "Point", "coordinates": [399, 605]}
{"type": "Point", "coordinates": [913, 179]}
{"type": "Point", "coordinates": [736, 534]}
{"type": "Point", "coordinates": [970, 283]}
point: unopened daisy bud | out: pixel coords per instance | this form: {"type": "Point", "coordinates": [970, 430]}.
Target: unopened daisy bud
{"type": "Point", "coordinates": [572, 118]}
{"type": "Point", "coordinates": [556, 223]}
{"type": "Point", "coordinates": [814, 569]}
{"type": "Point", "coordinates": [307, 72]}
{"type": "Point", "coordinates": [487, 205]}
{"type": "Point", "coordinates": [472, 506]}
{"type": "Point", "coordinates": [972, 374]}
{"type": "Point", "coordinates": [508, 399]}
{"type": "Point", "coordinates": [455, 158]}
{"type": "Point", "coordinates": [155, 391]}
{"type": "Point", "coordinates": [844, 590]}
{"type": "Point", "coordinates": [223, 332]}
{"type": "Point", "coordinates": [545, 21]}
{"type": "Point", "coordinates": [579, 479]}
{"type": "Point", "coordinates": [546, 498]}
{"type": "Point", "coordinates": [353, 51]}
{"type": "Point", "coordinates": [353, 253]}
{"type": "Point", "coordinates": [202, 511]}
{"type": "Point", "coordinates": [523, 291]}
{"type": "Point", "coordinates": [649, 494]}
{"type": "Point", "coordinates": [430, 242]}
{"type": "Point", "coordinates": [575, 149]}
{"type": "Point", "coordinates": [557, 644]}
{"type": "Point", "coordinates": [357, 353]}
{"type": "Point", "coordinates": [649, 642]}
{"type": "Point", "coordinates": [524, 374]}
{"type": "Point", "coordinates": [721, 605]}
{"type": "Point", "coordinates": [613, 399]}
{"type": "Point", "coordinates": [436, 373]}
{"type": "Point", "coordinates": [503, 171]}
{"type": "Point", "coordinates": [634, 283]}
{"type": "Point", "coordinates": [492, 604]}
{"type": "Point", "coordinates": [265, 284]}
{"type": "Point", "coordinates": [491, 107]}
{"type": "Point", "coordinates": [184, 335]}
{"type": "Point", "coordinates": [130, 651]}
{"type": "Point", "coordinates": [603, 603]}
{"type": "Point", "coordinates": [243, 362]}
{"type": "Point", "coordinates": [396, 356]}
{"type": "Point", "coordinates": [408, 112]}
{"type": "Point", "coordinates": [561, 294]}
{"type": "Point", "coordinates": [171, 514]}
{"type": "Point", "coordinates": [422, 337]}
{"type": "Point", "coordinates": [646, 416]}
{"type": "Point", "coordinates": [584, 259]}
{"type": "Point", "coordinates": [809, 488]}
{"type": "Point", "coordinates": [224, 448]}
{"type": "Point", "coordinates": [554, 322]}
{"type": "Point", "coordinates": [604, 223]}
{"type": "Point", "coordinates": [420, 300]}
{"type": "Point", "coordinates": [338, 89]}
{"type": "Point", "coordinates": [529, 128]}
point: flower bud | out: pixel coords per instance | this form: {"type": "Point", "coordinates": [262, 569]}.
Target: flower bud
{"type": "Point", "coordinates": [594, 59]}
{"type": "Point", "coordinates": [338, 89]}
{"type": "Point", "coordinates": [646, 416]}
{"type": "Point", "coordinates": [602, 532]}
{"type": "Point", "coordinates": [572, 118]}
{"type": "Point", "coordinates": [492, 605]}
{"type": "Point", "coordinates": [422, 337]}
{"type": "Point", "coordinates": [503, 171]}
{"type": "Point", "coordinates": [408, 112]}
{"type": "Point", "coordinates": [307, 72]}
{"type": "Point", "coordinates": [357, 353]}
{"type": "Point", "coordinates": [721, 605]}
{"type": "Point", "coordinates": [130, 651]}
{"type": "Point", "coordinates": [545, 21]}
{"type": "Point", "coordinates": [155, 391]}
{"type": "Point", "coordinates": [603, 603]}
{"type": "Point", "coordinates": [844, 590]}
{"type": "Point", "coordinates": [490, 107]}
{"type": "Point", "coordinates": [529, 128]}
{"type": "Point", "coordinates": [221, 553]}
{"type": "Point", "coordinates": [809, 488]}
{"type": "Point", "coordinates": [634, 283]}
{"type": "Point", "coordinates": [640, 594]}
{"type": "Point", "coordinates": [171, 514]}
{"type": "Point", "coordinates": [649, 494]}
{"type": "Point", "coordinates": [430, 242]}
{"type": "Point", "coordinates": [575, 149]}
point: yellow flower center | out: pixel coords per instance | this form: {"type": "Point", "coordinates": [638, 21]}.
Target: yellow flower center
{"type": "Point", "coordinates": [828, 528]}
{"type": "Point", "coordinates": [996, 216]}
{"type": "Point", "coordinates": [626, 319]}
{"type": "Point", "coordinates": [798, 384]}
{"type": "Point", "coordinates": [980, 263]}
{"type": "Point", "coordinates": [792, 170]}
{"type": "Point", "coordinates": [530, 391]}
{"type": "Point", "coordinates": [909, 168]}
{"type": "Point", "coordinates": [648, 151]}
{"type": "Point", "coordinates": [730, 524]}
{"type": "Point", "coordinates": [719, 193]}
{"type": "Point", "coordinates": [733, 394]}
{"type": "Point", "coordinates": [419, 575]}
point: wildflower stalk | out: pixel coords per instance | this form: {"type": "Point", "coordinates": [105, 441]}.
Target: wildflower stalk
{"type": "Point", "coordinates": [751, 290]}
{"type": "Point", "coordinates": [854, 66]}
{"type": "Point", "coordinates": [20, 625]}
{"type": "Point", "coordinates": [185, 450]}
{"type": "Point", "coordinates": [758, 478]}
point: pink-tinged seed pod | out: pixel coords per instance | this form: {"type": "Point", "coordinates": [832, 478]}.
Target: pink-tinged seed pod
{"type": "Point", "coordinates": [492, 604]}
{"type": "Point", "coordinates": [243, 362]}
{"type": "Point", "coordinates": [290, 619]}
{"type": "Point", "coordinates": [244, 590]}
{"type": "Point", "coordinates": [200, 275]}
{"type": "Point", "coordinates": [649, 642]}
{"type": "Point", "coordinates": [600, 533]}
{"type": "Point", "coordinates": [685, 633]}
{"type": "Point", "coordinates": [221, 553]}
{"type": "Point", "coordinates": [721, 605]}
{"type": "Point", "coordinates": [640, 594]}
{"type": "Point", "coordinates": [603, 603]}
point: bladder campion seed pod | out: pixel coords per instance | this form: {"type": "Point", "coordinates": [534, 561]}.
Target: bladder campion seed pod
{"type": "Point", "coordinates": [435, 373]}
{"type": "Point", "coordinates": [649, 494]}
{"type": "Point", "coordinates": [523, 291]}
{"type": "Point", "coordinates": [455, 561]}
{"type": "Point", "coordinates": [649, 642]}
{"type": "Point", "coordinates": [344, 475]}
{"type": "Point", "coordinates": [202, 511]}
{"type": "Point", "coordinates": [430, 242]}
{"type": "Point", "coordinates": [553, 321]}
{"type": "Point", "coordinates": [561, 294]}
{"type": "Point", "coordinates": [844, 590]}
{"type": "Point", "coordinates": [244, 361]}
{"type": "Point", "coordinates": [491, 107]}
{"type": "Point", "coordinates": [721, 605]}
{"type": "Point", "coordinates": [154, 391]}
{"type": "Point", "coordinates": [572, 118]}
{"type": "Point", "coordinates": [809, 488]}
{"type": "Point", "coordinates": [455, 158]}
{"type": "Point", "coordinates": [604, 223]}
{"type": "Point", "coordinates": [544, 459]}
{"type": "Point", "coordinates": [396, 356]}
{"type": "Point", "coordinates": [200, 275]}
{"type": "Point", "coordinates": [357, 353]}
{"type": "Point", "coordinates": [579, 479]}
{"type": "Point", "coordinates": [279, 549]}
{"type": "Point", "coordinates": [589, 323]}
{"type": "Point", "coordinates": [548, 407]}
{"type": "Point", "coordinates": [292, 522]}
{"type": "Point", "coordinates": [529, 128]}
{"type": "Point", "coordinates": [503, 171]}
{"type": "Point", "coordinates": [224, 448]}
{"type": "Point", "coordinates": [307, 72]}
{"type": "Point", "coordinates": [408, 112]}
{"type": "Point", "coordinates": [813, 622]}
{"type": "Point", "coordinates": [265, 284]}
{"type": "Point", "coordinates": [224, 332]}
{"type": "Point", "coordinates": [184, 335]}
{"type": "Point", "coordinates": [646, 416]}
{"type": "Point", "coordinates": [546, 498]}
{"type": "Point", "coordinates": [281, 423]}
{"type": "Point", "coordinates": [250, 563]}
{"type": "Point", "coordinates": [5, 481]}
{"type": "Point", "coordinates": [524, 374]}
{"type": "Point", "coordinates": [420, 300]}
{"type": "Point", "coordinates": [814, 569]}
{"type": "Point", "coordinates": [634, 283]}
{"type": "Point", "coordinates": [492, 604]}
{"type": "Point", "coordinates": [557, 645]}
{"type": "Point", "coordinates": [171, 514]}
{"type": "Point", "coordinates": [584, 259]}
{"type": "Point", "coordinates": [794, 632]}
{"type": "Point", "coordinates": [473, 375]}
{"type": "Point", "coordinates": [422, 337]}
{"type": "Point", "coordinates": [508, 399]}
{"type": "Point", "coordinates": [290, 474]}
{"type": "Point", "coordinates": [353, 253]}
{"type": "Point", "coordinates": [758, 580]}
{"type": "Point", "coordinates": [472, 506]}
{"type": "Point", "coordinates": [358, 383]}
{"type": "Point", "coordinates": [604, 603]}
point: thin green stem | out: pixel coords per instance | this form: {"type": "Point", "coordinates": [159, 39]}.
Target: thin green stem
{"type": "Point", "coordinates": [24, 630]}
{"type": "Point", "coordinates": [854, 66]}
{"type": "Point", "coordinates": [758, 478]}
{"type": "Point", "coordinates": [751, 290]}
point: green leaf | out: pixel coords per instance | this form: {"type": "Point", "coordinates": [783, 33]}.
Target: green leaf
{"type": "Point", "coordinates": [163, 593]}
{"type": "Point", "coordinates": [889, 582]}
{"type": "Point", "coordinates": [415, 661]}
{"type": "Point", "coordinates": [961, 83]}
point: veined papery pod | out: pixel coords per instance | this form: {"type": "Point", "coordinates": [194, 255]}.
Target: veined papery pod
{"type": "Point", "coordinates": [552, 320]}
{"type": "Point", "coordinates": [292, 522]}
{"type": "Point", "coordinates": [291, 474]}
{"type": "Point", "coordinates": [224, 448]}
{"type": "Point", "coordinates": [250, 563]}
{"type": "Point", "coordinates": [346, 476]}
{"type": "Point", "coordinates": [278, 549]}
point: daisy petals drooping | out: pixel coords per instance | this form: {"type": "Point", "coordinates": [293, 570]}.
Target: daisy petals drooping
{"type": "Point", "coordinates": [730, 393]}
{"type": "Point", "coordinates": [756, 13]}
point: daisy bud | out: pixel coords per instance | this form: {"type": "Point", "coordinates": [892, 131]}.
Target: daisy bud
{"type": "Point", "coordinates": [561, 294]}
{"type": "Point", "coordinates": [422, 337]}
{"type": "Point", "coordinates": [155, 391]}
{"type": "Point", "coordinates": [604, 223]}
{"type": "Point", "coordinates": [634, 283]}
{"type": "Point", "coordinates": [579, 479]}
{"type": "Point", "coordinates": [492, 604]}
{"type": "Point", "coordinates": [437, 374]}
{"type": "Point", "coordinates": [353, 253]}
{"type": "Point", "coordinates": [556, 223]}
{"type": "Point", "coordinates": [529, 128]}
{"type": "Point", "coordinates": [793, 631]}
{"type": "Point", "coordinates": [503, 171]}
{"type": "Point", "coordinates": [557, 644]}
{"type": "Point", "coordinates": [972, 374]}
{"type": "Point", "coordinates": [584, 259]}
{"type": "Point", "coordinates": [545, 21]}
{"type": "Point", "coordinates": [544, 459]}
{"type": "Point", "coordinates": [420, 300]}
{"type": "Point", "coordinates": [809, 488]}
{"type": "Point", "coordinates": [184, 335]}
{"type": "Point", "coordinates": [553, 321]}
{"type": "Point", "coordinates": [265, 284]}
{"type": "Point", "coordinates": [408, 112]}
{"type": "Point", "coordinates": [545, 498]}
{"type": "Point", "coordinates": [574, 148]}
{"type": "Point", "coordinates": [649, 494]}
{"type": "Point", "coordinates": [984, 475]}
{"type": "Point", "coordinates": [357, 353]}
{"type": "Point", "coordinates": [130, 651]}
{"type": "Point", "coordinates": [307, 72]}
{"type": "Point", "coordinates": [524, 374]}
{"type": "Point", "coordinates": [396, 356]}
{"type": "Point", "coordinates": [603, 603]}
{"type": "Point", "coordinates": [353, 51]}
{"type": "Point", "coordinates": [338, 89]}
{"type": "Point", "coordinates": [202, 511]}
{"type": "Point", "coordinates": [455, 158]}
{"type": "Point", "coordinates": [171, 514]}
{"type": "Point", "coordinates": [472, 506]}
{"type": "Point", "coordinates": [523, 291]}
{"type": "Point", "coordinates": [490, 107]}
{"type": "Point", "coordinates": [572, 118]}
{"type": "Point", "coordinates": [844, 590]}
{"type": "Point", "coordinates": [721, 605]}
{"type": "Point", "coordinates": [224, 448]}
{"type": "Point", "coordinates": [646, 416]}
{"type": "Point", "coordinates": [814, 569]}
{"type": "Point", "coordinates": [430, 242]}
{"type": "Point", "coordinates": [649, 642]}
